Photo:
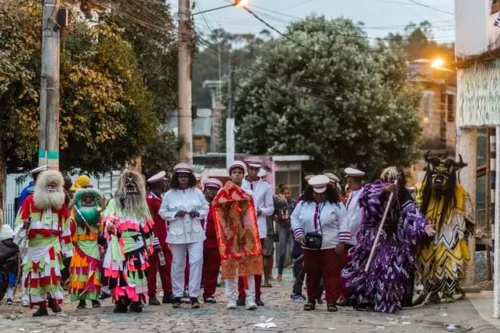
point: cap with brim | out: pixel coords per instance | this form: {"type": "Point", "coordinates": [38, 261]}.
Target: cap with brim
{"type": "Point", "coordinates": [183, 168]}
{"type": "Point", "coordinates": [319, 183]}
{"type": "Point", "coordinates": [160, 176]}
{"type": "Point", "coordinates": [253, 162]}
{"type": "Point", "coordinates": [308, 177]}
{"type": "Point", "coordinates": [212, 183]}
{"type": "Point", "coordinates": [351, 172]}
{"type": "Point", "coordinates": [237, 164]}
{"type": "Point", "coordinates": [332, 177]}
{"type": "Point", "coordinates": [39, 169]}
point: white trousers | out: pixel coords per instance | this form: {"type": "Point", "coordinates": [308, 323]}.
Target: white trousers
{"type": "Point", "coordinates": [232, 289]}
{"type": "Point", "coordinates": [195, 252]}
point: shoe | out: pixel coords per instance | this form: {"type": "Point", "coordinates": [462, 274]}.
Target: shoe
{"type": "Point", "coordinates": [153, 300]}
{"type": "Point", "coordinates": [267, 285]}
{"type": "Point", "coordinates": [135, 307]}
{"type": "Point", "coordinates": [81, 305]}
{"type": "Point", "coordinates": [167, 298]}
{"type": "Point", "coordinates": [343, 302]}
{"type": "Point", "coordinates": [310, 305]}
{"type": "Point", "coordinates": [120, 308]}
{"type": "Point", "coordinates": [176, 303]}
{"type": "Point", "coordinates": [210, 300]}
{"type": "Point", "coordinates": [319, 300]}
{"type": "Point", "coordinates": [25, 302]}
{"type": "Point", "coordinates": [279, 278]}
{"type": "Point", "coordinates": [96, 304]}
{"type": "Point", "coordinates": [250, 304]}
{"type": "Point", "coordinates": [104, 295]}
{"type": "Point", "coordinates": [240, 302]}
{"type": "Point", "coordinates": [259, 302]}
{"type": "Point", "coordinates": [41, 312]}
{"type": "Point", "coordinates": [54, 306]}
{"type": "Point", "coordinates": [231, 304]}
{"type": "Point", "coordinates": [297, 297]}
{"type": "Point", "coordinates": [194, 303]}
{"type": "Point", "coordinates": [9, 301]}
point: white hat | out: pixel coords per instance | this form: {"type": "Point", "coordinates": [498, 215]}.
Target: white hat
{"type": "Point", "coordinates": [183, 168]}
{"type": "Point", "coordinates": [158, 177]}
{"type": "Point", "coordinates": [39, 169]}
{"type": "Point", "coordinates": [351, 172]}
{"type": "Point", "coordinates": [237, 164]}
{"type": "Point", "coordinates": [212, 182]}
{"type": "Point", "coordinates": [308, 177]}
{"type": "Point", "coordinates": [262, 173]}
{"type": "Point", "coordinates": [319, 183]}
{"type": "Point", "coordinates": [332, 177]}
{"type": "Point", "coordinates": [254, 162]}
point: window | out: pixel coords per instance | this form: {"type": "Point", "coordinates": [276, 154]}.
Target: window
{"type": "Point", "coordinates": [450, 108]}
{"type": "Point", "coordinates": [495, 6]}
{"type": "Point", "coordinates": [290, 178]}
{"type": "Point", "coordinates": [427, 106]}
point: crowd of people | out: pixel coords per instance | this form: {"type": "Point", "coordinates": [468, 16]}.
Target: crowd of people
{"type": "Point", "coordinates": [365, 249]}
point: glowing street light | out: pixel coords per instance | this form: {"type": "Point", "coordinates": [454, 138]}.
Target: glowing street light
{"type": "Point", "coordinates": [236, 3]}
{"type": "Point", "coordinates": [438, 63]}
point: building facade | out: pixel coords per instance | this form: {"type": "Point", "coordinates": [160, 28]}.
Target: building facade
{"type": "Point", "coordinates": [478, 114]}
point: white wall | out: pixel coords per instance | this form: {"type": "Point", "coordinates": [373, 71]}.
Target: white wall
{"type": "Point", "coordinates": [471, 26]}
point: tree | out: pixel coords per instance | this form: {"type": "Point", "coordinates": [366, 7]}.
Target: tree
{"type": "Point", "coordinates": [325, 92]}
{"type": "Point", "coordinates": [107, 114]}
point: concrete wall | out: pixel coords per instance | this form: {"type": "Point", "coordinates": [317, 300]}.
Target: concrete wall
{"type": "Point", "coordinates": [475, 32]}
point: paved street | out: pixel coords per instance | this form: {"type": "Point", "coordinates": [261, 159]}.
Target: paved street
{"type": "Point", "coordinates": [286, 315]}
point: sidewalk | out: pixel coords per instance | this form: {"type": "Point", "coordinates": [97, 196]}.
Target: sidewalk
{"type": "Point", "coordinates": [483, 303]}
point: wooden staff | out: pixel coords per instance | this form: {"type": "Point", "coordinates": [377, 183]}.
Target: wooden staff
{"type": "Point", "coordinates": [380, 228]}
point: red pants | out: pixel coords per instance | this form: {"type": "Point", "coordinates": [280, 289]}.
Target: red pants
{"type": "Point", "coordinates": [154, 267]}
{"type": "Point", "coordinates": [322, 264]}
{"type": "Point", "coordinates": [211, 266]}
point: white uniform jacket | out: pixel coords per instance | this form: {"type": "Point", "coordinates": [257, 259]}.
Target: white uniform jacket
{"type": "Point", "coordinates": [263, 199]}
{"type": "Point", "coordinates": [184, 230]}
{"type": "Point", "coordinates": [354, 214]}
{"type": "Point", "coordinates": [326, 218]}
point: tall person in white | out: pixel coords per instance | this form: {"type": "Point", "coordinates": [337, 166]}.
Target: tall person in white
{"type": "Point", "coordinates": [183, 207]}
{"type": "Point", "coordinates": [263, 198]}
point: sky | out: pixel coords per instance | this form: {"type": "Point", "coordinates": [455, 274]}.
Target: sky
{"type": "Point", "coordinates": [380, 16]}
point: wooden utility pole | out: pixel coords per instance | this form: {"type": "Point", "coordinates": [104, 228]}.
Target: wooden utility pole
{"type": "Point", "coordinates": [49, 92]}
{"type": "Point", "coordinates": [185, 39]}
{"type": "Point", "coordinates": [230, 119]}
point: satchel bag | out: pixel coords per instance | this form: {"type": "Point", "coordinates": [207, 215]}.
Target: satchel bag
{"type": "Point", "coordinates": [314, 239]}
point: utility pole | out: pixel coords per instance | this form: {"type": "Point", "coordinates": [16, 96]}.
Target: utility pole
{"type": "Point", "coordinates": [49, 93]}
{"type": "Point", "coordinates": [230, 119]}
{"type": "Point", "coordinates": [185, 116]}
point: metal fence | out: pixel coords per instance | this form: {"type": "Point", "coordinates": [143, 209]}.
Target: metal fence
{"type": "Point", "coordinates": [9, 214]}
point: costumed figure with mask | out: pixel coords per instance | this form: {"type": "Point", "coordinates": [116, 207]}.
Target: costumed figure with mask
{"type": "Point", "coordinates": [44, 221]}
{"type": "Point", "coordinates": [447, 205]}
{"type": "Point", "coordinates": [128, 230]}
{"type": "Point", "coordinates": [86, 265]}
{"type": "Point", "coordinates": [382, 287]}
{"type": "Point", "coordinates": [238, 237]}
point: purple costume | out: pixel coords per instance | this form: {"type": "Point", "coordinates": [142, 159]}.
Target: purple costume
{"type": "Point", "coordinates": [383, 286]}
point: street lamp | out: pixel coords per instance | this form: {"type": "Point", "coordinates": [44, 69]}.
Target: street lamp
{"type": "Point", "coordinates": [236, 3]}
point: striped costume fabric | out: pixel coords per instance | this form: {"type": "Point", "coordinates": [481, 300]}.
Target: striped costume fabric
{"type": "Point", "coordinates": [383, 285]}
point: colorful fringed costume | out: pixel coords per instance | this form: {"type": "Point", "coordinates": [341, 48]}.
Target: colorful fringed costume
{"type": "Point", "coordinates": [383, 286]}
{"type": "Point", "coordinates": [85, 268]}
{"type": "Point", "coordinates": [44, 223]}
{"type": "Point", "coordinates": [237, 233]}
{"type": "Point", "coordinates": [448, 206]}
{"type": "Point", "coordinates": [126, 258]}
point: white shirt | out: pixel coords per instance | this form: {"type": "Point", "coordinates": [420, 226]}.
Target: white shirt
{"type": "Point", "coordinates": [263, 198]}
{"type": "Point", "coordinates": [354, 214]}
{"type": "Point", "coordinates": [184, 230]}
{"type": "Point", "coordinates": [326, 218]}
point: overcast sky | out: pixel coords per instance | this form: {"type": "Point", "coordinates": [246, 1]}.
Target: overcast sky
{"type": "Point", "coordinates": [379, 16]}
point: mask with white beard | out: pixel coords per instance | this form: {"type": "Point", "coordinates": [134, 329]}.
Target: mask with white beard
{"type": "Point", "coordinates": [130, 195]}
{"type": "Point", "coordinates": [49, 192]}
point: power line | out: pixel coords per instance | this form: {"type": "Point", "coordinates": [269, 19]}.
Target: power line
{"type": "Point", "coordinates": [430, 7]}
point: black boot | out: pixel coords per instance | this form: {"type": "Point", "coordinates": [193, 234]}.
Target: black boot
{"type": "Point", "coordinates": [176, 303]}
{"type": "Point", "coordinates": [96, 304]}
{"type": "Point", "coordinates": [153, 300]}
{"type": "Point", "coordinates": [41, 312]}
{"type": "Point", "coordinates": [120, 307]}
{"type": "Point", "coordinates": [168, 298]}
{"type": "Point", "coordinates": [82, 305]}
{"type": "Point", "coordinates": [136, 307]}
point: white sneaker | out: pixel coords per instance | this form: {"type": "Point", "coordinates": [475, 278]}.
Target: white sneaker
{"type": "Point", "coordinates": [25, 303]}
{"type": "Point", "coordinates": [231, 305]}
{"type": "Point", "coordinates": [250, 304]}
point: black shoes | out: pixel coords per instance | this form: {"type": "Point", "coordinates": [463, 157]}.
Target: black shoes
{"type": "Point", "coordinates": [168, 299]}
{"type": "Point", "coordinates": [194, 303]}
{"type": "Point", "coordinates": [153, 300]}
